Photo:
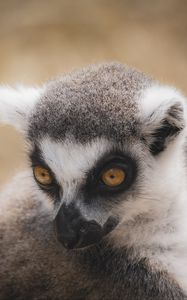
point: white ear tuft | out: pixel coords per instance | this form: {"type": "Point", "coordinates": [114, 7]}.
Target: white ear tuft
{"type": "Point", "coordinates": [163, 114]}
{"type": "Point", "coordinates": [16, 105]}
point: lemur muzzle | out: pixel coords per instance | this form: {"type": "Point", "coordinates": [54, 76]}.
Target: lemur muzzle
{"type": "Point", "coordinates": [74, 231]}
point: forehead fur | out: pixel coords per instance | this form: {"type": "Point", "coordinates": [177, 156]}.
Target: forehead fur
{"type": "Point", "coordinates": [98, 101]}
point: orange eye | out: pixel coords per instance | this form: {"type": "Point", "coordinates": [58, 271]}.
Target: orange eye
{"type": "Point", "coordinates": [113, 177]}
{"type": "Point", "coordinates": [42, 175]}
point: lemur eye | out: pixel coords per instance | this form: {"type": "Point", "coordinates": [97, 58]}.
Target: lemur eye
{"type": "Point", "coordinates": [113, 177]}
{"type": "Point", "coordinates": [42, 175]}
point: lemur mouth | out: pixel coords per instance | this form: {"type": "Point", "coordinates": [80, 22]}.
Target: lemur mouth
{"type": "Point", "coordinates": [74, 231]}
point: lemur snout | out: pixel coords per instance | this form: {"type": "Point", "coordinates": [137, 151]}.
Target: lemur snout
{"type": "Point", "coordinates": [74, 231]}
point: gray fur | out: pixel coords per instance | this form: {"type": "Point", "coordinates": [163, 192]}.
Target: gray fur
{"type": "Point", "coordinates": [91, 103]}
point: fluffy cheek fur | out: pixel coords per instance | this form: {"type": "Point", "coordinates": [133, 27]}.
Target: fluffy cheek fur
{"type": "Point", "coordinates": [158, 184]}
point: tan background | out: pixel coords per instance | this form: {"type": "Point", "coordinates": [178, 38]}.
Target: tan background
{"type": "Point", "coordinates": [40, 39]}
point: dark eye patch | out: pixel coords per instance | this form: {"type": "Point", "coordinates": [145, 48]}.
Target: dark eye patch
{"type": "Point", "coordinates": [54, 189]}
{"type": "Point", "coordinates": [94, 185]}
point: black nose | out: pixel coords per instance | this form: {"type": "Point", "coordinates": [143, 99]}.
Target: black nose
{"type": "Point", "coordinates": [74, 231]}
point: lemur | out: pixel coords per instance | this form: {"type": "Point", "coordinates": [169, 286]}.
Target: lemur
{"type": "Point", "coordinates": [101, 212]}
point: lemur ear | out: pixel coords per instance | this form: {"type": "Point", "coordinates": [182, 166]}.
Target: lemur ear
{"type": "Point", "coordinates": [16, 105]}
{"type": "Point", "coordinates": [164, 117]}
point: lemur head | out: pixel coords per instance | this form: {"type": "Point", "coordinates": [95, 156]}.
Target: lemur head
{"type": "Point", "coordinates": [104, 145]}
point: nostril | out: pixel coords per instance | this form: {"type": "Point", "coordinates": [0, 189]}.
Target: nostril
{"type": "Point", "coordinates": [68, 239]}
{"type": "Point", "coordinates": [90, 232]}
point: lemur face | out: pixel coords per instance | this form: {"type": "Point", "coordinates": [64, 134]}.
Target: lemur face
{"type": "Point", "coordinates": [84, 143]}
{"type": "Point", "coordinates": [98, 140]}
{"type": "Point", "coordinates": [87, 183]}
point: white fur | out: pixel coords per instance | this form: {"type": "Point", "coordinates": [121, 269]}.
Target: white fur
{"type": "Point", "coordinates": [69, 160]}
{"type": "Point", "coordinates": [159, 96]}
{"type": "Point", "coordinates": [70, 163]}
{"type": "Point", "coordinates": [16, 105]}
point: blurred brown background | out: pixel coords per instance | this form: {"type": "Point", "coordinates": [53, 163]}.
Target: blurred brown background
{"type": "Point", "coordinates": [40, 39]}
